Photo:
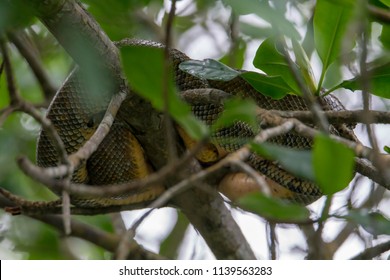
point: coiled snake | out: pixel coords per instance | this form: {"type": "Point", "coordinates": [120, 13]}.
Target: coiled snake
{"type": "Point", "coordinates": [120, 157]}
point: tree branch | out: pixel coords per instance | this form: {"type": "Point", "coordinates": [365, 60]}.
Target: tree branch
{"type": "Point", "coordinates": [19, 39]}
{"type": "Point", "coordinates": [101, 238]}
{"type": "Point", "coordinates": [370, 253]}
{"type": "Point", "coordinates": [365, 168]}
{"type": "Point", "coordinates": [379, 14]}
{"type": "Point", "coordinates": [338, 117]}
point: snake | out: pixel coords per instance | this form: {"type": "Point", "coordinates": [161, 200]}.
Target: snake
{"type": "Point", "coordinates": [120, 157]}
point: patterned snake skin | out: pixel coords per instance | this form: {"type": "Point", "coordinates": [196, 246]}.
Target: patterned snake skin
{"type": "Point", "coordinates": [120, 157]}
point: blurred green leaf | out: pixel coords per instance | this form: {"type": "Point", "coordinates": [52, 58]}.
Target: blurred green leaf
{"type": "Point", "coordinates": [255, 31]}
{"type": "Point", "coordinates": [117, 18]}
{"type": "Point", "coordinates": [38, 240]}
{"type": "Point", "coordinates": [274, 15]}
{"type": "Point", "coordinates": [170, 246]}
{"type": "Point", "coordinates": [144, 71]}
{"type": "Point", "coordinates": [308, 40]}
{"type": "Point", "coordinates": [331, 21]}
{"type": "Point", "coordinates": [373, 222]}
{"type": "Point", "coordinates": [333, 164]}
{"type": "Point", "coordinates": [274, 87]}
{"type": "Point", "coordinates": [274, 209]}
{"type": "Point", "coordinates": [304, 66]}
{"type": "Point", "coordinates": [386, 149]}
{"type": "Point", "coordinates": [14, 14]}
{"type": "Point", "coordinates": [385, 36]}
{"type": "Point", "coordinates": [334, 75]}
{"type": "Point", "coordinates": [236, 57]}
{"type": "Point", "coordinates": [288, 159]}
{"type": "Point", "coordinates": [237, 110]}
{"type": "Point", "coordinates": [243, 7]}
{"type": "Point", "coordinates": [379, 81]}
{"type": "Point", "coordinates": [386, 2]}
{"type": "Point", "coordinates": [379, 3]}
{"type": "Point", "coordinates": [272, 62]}
{"type": "Point", "coordinates": [209, 69]}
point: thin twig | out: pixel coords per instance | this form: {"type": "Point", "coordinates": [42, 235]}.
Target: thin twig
{"type": "Point", "coordinates": [125, 245]}
{"type": "Point", "coordinates": [17, 104]}
{"type": "Point", "coordinates": [240, 155]}
{"type": "Point", "coordinates": [339, 117]}
{"type": "Point", "coordinates": [361, 151]}
{"type": "Point", "coordinates": [268, 118]}
{"type": "Point", "coordinates": [102, 130]}
{"type": "Point", "coordinates": [312, 104]}
{"type": "Point", "coordinates": [19, 39]}
{"type": "Point", "coordinates": [321, 224]}
{"type": "Point", "coordinates": [12, 90]}
{"type": "Point", "coordinates": [171, 143]}
{"type": "Point", "coordinates": [373, 252]}
{"type": "Point", "coordinates": [272, 240]}
{"type": "Point", "coordinates": [260, 181]}
{"type": "Point", "coordinates": [365, 76]}
{"type": "Point", "coordinates": [379, 14]}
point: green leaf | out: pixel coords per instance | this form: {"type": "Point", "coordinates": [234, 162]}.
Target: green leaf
{"type": "Point", "coordinates": [237, 110]}
{"type": "Point", "coordinates": [288, 158]}
{"type": "Point", "coordinates": [379, 81]}
{"type": "Point", "coordinates": [333, 164]}
{"type": "Point", "coordinates": [303, 63]}
{"type": "Point", "coordinates": [334, 75]}
{"type": "Point", "coordinates": [243, 7]}
{"type": "Point", "coordinates": [171, 245]}
{"type": "Point", "coordinates": [209, 69]}
{"type": "Point", "coordinates": [386, 2]}
{"type": "Point", "coordinates": [143, 67]}
{"type": "Point", "coordinates": [274, 87]}
{"type": "Point", "coordinates": [373, 222]}
{"type": "Point", "coordinates": [386, 149]}
{"type": "Point", "coordinates": [274, 209]}
{"type": "Point", "coordinates": [254, 31]}
{"type": "Point", "coordinates": [15, 15]}
{"type": "Point", "coordinates": [117, 18]}
{"type": "Point", "coordinates": [272, 62]}
{"type": "Point", "coordinates": [308, 40]}
{"type": "Point", "coordinates": [273, 15]}
{"type": "Point", "coordinates": [331, 21]}
{"type": "Point", "coordinates": [236, 57]}
{"type": "Point", "coordinates": [385, 36]}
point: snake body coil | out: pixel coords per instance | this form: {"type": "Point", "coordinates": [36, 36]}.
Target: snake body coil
{"type": "Point", "coordinates": [120, 157]}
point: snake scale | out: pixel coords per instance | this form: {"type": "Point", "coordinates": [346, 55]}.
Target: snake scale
{"type": "Point", "coordinates": [120, 157]}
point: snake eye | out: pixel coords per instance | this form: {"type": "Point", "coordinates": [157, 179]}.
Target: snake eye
{"type": "Point", "coordinates": [95, 119]}
{"type": "Point", "coordinates": [90, 123]}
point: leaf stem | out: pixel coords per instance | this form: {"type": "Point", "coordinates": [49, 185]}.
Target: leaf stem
{"type": "Point", "coordinates": [317, 93]}
{"type": "Point", "coordinates": [331, 90]}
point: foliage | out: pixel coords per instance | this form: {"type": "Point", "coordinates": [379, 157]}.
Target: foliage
{"type": "Point", "coordinates": [327, 32]}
